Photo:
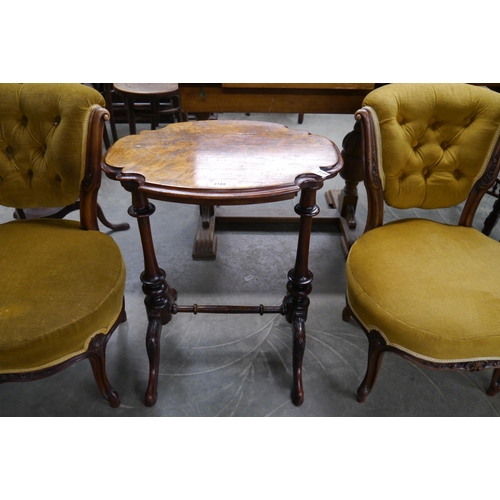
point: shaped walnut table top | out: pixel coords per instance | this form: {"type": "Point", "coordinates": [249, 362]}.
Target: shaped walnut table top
{"type": "Point", "coordinates": [224, 162]}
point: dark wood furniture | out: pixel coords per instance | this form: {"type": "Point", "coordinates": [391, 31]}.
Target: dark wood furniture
{"type": "Point", "coordinates": [19, 214]}
{"type": "Point", "coordinates": [201, 99]}
{"type": "Point", "coordinates": [107, 91]}
{"type": "Point", "coordinates": [163, 99]}
{"type": "Point", "coordinates": [212, 163]}
{"type": "Point", "coordinates": [493, 217]}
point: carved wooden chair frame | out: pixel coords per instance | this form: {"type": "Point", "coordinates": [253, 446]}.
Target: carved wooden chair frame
{"type": "Point", "coordinates": [375, 198]}
{"type": "Point", "coordinates": [96, 352]}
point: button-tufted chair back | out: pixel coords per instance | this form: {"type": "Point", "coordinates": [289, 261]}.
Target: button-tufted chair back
{"type": "Point", "coordinates": [42, 153]}
{"type": "Point", "coordinates": [435, 141]}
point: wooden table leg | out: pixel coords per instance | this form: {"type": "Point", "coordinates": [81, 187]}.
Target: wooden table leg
{"type": "Point", "coordinates": [205, 242]}
{"type": "Point", "coordinates": [353, 174]}
{"type": "Point", "coordinates": [159, 296]}
{"type": "Point", "coordinates": [299, 286]}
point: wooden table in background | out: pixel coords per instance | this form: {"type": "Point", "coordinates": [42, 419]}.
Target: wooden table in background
{"type": "Point", "coordinates": [201, 99]}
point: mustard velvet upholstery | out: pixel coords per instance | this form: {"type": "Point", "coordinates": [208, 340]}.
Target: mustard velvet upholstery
{"type": "Point", "coordinates": [430, 289]}
{"type": "Point", "coordinates": [43, 142]}
{"type": "Point", "coordinates": [62, 282]}
{"type": "Point", "coordinates": [60, 287]}
{"type": "Point", "coordinates": [426, 290]}
{"type": "Point", "coordinates": [435, 141]}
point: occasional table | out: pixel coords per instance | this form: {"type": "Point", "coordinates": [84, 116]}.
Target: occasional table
{"type": "Point", "coordinates": [212, 163]}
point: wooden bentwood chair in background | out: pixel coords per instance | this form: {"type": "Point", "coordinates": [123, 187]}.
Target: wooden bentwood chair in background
{"type": "Point", "coordinates": [62, 281]}
{"type": "Point", "coordinates": [425, 290]}
{"type": "Point", "coordinates": [163, 99]}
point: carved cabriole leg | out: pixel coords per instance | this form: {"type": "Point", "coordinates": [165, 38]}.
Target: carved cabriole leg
{"type": "Point", "coordinates": [495, 383]}
{"type": "Point", "coordinates": [159, 296]}
{"type": "Point", "coordinates": [376, 349]}
{"type": "Point", "coordinates": [352, 173]}
{"type": "Point", "coordinates": [299, 286]}
{"type": "Point", "coordinates": [97, 358]}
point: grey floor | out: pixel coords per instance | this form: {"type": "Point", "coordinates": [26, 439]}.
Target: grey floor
{"type": "Point", "coordinates": [213, 365]}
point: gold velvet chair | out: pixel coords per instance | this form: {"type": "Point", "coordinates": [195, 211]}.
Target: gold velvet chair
{"type": "Point", "coordinates": [426, 290]}
{"type": "Point", "coordinates": [62, 281]}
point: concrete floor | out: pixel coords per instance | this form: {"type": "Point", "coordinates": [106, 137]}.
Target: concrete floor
{"type": "Point", "coordinates": [213, 365]}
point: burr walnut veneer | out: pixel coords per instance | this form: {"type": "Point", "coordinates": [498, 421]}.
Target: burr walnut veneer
{"type": "Point", "coordinates": [212, 163]}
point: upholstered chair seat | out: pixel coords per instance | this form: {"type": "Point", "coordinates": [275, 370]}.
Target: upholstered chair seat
{"type": "Point", "coordinates": [81, 269]}
{"type": "Point", "coordinates": [427, 291]}
{"type": "Point", "coordinates": [407, 281]}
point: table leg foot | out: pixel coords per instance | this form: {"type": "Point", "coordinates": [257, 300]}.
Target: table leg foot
{"type": "Point", "coordinates": [153, 350]}
{"type": "Point", "coordinates": [299, 345]}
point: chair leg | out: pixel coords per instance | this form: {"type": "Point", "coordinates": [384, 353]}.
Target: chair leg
{"type": "Point", "coordinates": [109, 105]}
{"type": "Point", "coordinates": [492, 218]}
{"type": "Point", "coordinates": [97, 359]}
{"type": "Point", "coordinates": [177, 103]}
{"type": "Point", "coordinates": [375, 354]}
{"type": "Point", "coordinates": [495, 383]}
{"type": "Point", "coordinates": [346, 314]}
{"type": "Point", "coordinates": [155, 121]}
{"type": "Point", "coordinates": [115, 227]}
{"type": "Point", "coordinates": [123, 226]}
{"type": "Point", "coordinates": [129, 104]}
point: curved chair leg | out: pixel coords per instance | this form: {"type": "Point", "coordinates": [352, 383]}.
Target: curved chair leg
{"type": "Point", "coordinates": [495, 383]}
{"type": "Point", "coordinates": [492, 218]}
{"type": "Point", "coordinates": [19, 214]}
{"type": "Point", "coordinates": [108, 87]}
{"type": "Point", "coordinates": [97, 358]}
{"type": "Point", "coordinates": [375, 354]}
{"type": "Point", "coordinates": [346, 314]}
{"type": "Point", "coordinates": [115, 227]}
